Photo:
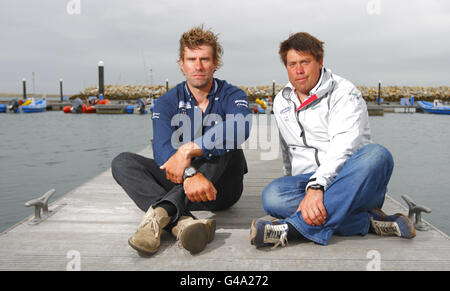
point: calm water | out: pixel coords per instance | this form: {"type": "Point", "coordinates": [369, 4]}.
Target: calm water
{"type": "Point", "coordinates": [62, 151]}
{"type": "Point", "coordinates": [419, 144]}
{"type": "Point", "coordinates": [48, 150]}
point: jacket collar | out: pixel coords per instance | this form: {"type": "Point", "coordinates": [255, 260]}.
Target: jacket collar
{"type": "Point", "coordinates": [323, 87]}
{"type": "Point", "coordinates": [212, 92]}
{"type": "Point", "coordinates": [325, 84]}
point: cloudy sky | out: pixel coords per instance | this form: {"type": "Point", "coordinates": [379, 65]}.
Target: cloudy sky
{"type": "Point", "coordinates": [401, 42]}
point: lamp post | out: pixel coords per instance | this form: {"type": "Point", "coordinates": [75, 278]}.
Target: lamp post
{"type": "Point", "coordinates": [379, 92]}
{"type": "Point", "coordinates": [24, 86]}
{"type": "Point", "coordinates": [101, 80]}
{"type": "Point", "coordinates": [61, 89]}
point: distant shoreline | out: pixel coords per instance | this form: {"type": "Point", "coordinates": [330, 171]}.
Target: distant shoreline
{"type": "Point", "coordinates": [39, 95]}
{"type": "Point", "coordinates": [370, 93]}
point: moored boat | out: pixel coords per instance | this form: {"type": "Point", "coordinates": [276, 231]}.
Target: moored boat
{"type": "Point", "coordinates": [14, 106]}
{"type": "Point", "coordinates": [437, 107]}
{"type": "Point", "coordinates": [89, 107]}
{"type": "Point", "coordinates": [139, 108]}
{"type": "Point", "coordinates": [35, 106]}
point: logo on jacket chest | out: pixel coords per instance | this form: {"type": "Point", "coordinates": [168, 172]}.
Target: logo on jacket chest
{"type": "Point", "coordinates": [285, 113]}
{"type": "Point", "coordinates": [186, 105]}
{"type": "Point", "coordinates": [285, 110]}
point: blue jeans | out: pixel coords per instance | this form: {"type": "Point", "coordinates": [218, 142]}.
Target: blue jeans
{"type": "Point", "coordinates": [359, 187]}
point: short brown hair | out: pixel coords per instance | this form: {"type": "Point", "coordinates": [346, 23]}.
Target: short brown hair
{"type": "Point", "coordinates": [198, 36]}
{"type": "Point", "coordinates": [304, 42]}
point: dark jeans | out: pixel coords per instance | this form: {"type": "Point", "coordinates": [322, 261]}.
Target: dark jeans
{"type": "Point", "coordinates": [147, 185]}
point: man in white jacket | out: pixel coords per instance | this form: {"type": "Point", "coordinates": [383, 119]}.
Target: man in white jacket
{"type": "Point", "coordinates": [335, 178]}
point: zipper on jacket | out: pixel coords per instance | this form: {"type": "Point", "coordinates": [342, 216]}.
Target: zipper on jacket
{"type": "Point", "coordinates": [303, 136]}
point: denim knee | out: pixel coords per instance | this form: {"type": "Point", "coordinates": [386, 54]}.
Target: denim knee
{"type": "Point", "coordinates": [379, 156]}
{"type": "Point", "coordinates": [271, 200]}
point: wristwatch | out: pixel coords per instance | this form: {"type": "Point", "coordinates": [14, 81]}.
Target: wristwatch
{"type": "Point", "coordinates": [189, 172]}
{"type": "Point", "coordinates": [317, 187]}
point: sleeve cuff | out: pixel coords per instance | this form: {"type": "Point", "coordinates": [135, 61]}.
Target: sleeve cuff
{"type": "Point", "coordinates": [317, 180]}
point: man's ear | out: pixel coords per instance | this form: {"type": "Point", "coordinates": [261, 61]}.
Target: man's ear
{"type": "Point", "coordinates": [321, 63]}
{"type": "Point", "coordinates": [180, 63]}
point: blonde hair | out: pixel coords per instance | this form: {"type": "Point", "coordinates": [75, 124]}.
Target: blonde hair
{"type": "Point", "coordinates": [198, 36]}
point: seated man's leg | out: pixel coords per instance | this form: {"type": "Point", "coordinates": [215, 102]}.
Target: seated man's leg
{"type": "Point", "coordinates": [226, 173]}
{"type": "Point", "coordinates": [145, 183]}
{"type": "Point", "coordinates": [141, 178]}
{"type": "Point", "coordinates": [164, 202]}
{"type": "Point", "coordinates": [359, 187]}
{"type": "Point", "coordinates": [282, 196]}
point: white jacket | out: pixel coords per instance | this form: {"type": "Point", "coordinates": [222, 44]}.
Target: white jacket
{"type": "Point", "coordinates": [323, 132]}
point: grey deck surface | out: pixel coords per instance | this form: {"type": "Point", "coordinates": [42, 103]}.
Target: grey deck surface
{"type": "Point", "coordinates": [96, 220]}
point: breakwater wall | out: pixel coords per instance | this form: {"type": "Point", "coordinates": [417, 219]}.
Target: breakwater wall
{"type": "Point", "coordinates": [388, 93]}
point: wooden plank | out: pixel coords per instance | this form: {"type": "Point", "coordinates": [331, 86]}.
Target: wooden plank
{"type": "Point", "coordinates": [96, 220]}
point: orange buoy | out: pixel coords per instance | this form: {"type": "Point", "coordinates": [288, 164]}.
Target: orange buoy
{"type": "Point", "coordinates": [66, 109]}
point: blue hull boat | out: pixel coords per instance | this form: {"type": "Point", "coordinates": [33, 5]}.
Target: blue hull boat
{"type": "Point", "coordinates": [2, 108]}
{"type": "Point", "coordinates": [139, 108]}
{"type": "Point", "coordinates": [36, 106]}
{"type": "Point", "coordinates": [437, 107]}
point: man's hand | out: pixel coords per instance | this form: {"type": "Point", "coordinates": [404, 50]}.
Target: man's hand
{"type": "Point", "coordinates": [199, 189]}
{"type": "Point", "coordinates": [177, 163]}
{"type": "Point", "coordinates": [312, 208]}
{"type": "Point", "coordinates": [175, 167]}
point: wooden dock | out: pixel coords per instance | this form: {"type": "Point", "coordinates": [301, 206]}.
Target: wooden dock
{"type": "Point", "coordinates": [379, 110]}
{"type": "Point", "coordinates": [91, 225]}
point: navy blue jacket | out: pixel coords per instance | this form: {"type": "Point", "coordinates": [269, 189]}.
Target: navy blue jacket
{"type": "Point", "coordinates": [177, 120]}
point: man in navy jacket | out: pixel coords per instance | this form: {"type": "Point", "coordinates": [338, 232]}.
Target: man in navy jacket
{"type": "Point", "coordinates": [198, 127]}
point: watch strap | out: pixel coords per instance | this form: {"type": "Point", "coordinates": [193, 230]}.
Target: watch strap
{"type": "Point", "coordinates": [317, 187]}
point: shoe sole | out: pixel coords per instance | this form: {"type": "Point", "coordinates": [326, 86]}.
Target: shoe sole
{"type": "Point", "coordinates": [253, 231]}
{"type": "Point", "coordinates": [211, 224]}
{"type": "Point", "coordinates": [195, 237]}
{"type": "Point", "coordinates": [141, 252]}
{"type": "Point", "coordinates": [412, 229]}
{"type": "Point", "coordinates": [379, 225]}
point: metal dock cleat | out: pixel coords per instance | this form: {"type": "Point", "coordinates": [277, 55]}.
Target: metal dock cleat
{"type": "Point", "coordinates": [416, 210]}
{"type": "Point", "coordinates": [40, 203]}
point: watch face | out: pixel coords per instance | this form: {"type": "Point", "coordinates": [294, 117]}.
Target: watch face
{"type": "Point", "coordinates": [190, 171]}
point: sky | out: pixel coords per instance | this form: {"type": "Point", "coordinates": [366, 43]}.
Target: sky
{"type": "Point", "coordinates": [400, 42]}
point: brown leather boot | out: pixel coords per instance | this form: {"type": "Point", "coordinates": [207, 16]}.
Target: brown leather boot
{"type": "Point", "coordinates": [146, 240]}
{"type": "Point", "coordinates": [194, 234]}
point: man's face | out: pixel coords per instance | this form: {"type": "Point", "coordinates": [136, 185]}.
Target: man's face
{"type": "Point", "coordinates": [198, 66]}
{"type": "Point", "coordinates": [303, 70]}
